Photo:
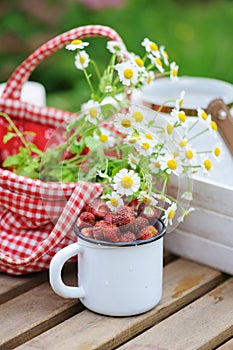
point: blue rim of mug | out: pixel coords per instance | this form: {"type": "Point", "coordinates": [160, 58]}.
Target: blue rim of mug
{"type": "Point", "coordinates": [161, 229]}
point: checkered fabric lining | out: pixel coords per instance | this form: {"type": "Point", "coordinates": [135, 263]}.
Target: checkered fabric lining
{"type": "Point", "coordinates": [37, 218]}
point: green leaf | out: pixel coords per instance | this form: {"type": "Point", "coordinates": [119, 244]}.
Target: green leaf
{"type": "Point", "coordinates": [9, 136]}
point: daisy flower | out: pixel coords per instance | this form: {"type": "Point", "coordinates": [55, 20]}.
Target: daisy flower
{"type": "Point", "coordinates": [170, 164]}
{"type": "Point", "coordinates": [132, 161]}
{"type": "Point", "coordinates": [203, 116]}
{"type": "Point", "coordinates": [154, 166]}
{"type": "Point", "coordinates": [144, 146]}
{"type": "Point", "coordinates": [180, 100]}
{"type": "Point", "coordinates": [114, 201]}
{"type": "Point", "coordinates": [82, 60]}
{"type": "Point", "coordinates": [93, 112]}
{"type": "Point", "coordinates": [206, 165]}
{"type": "Point", "coordinates": [217, 151]}
{"type": "Point", "coordinates": [76, 44]}
{"type": "Point", "coordinates": [124, 123]}
{"type": "Point", "coordinates": [105, 137]}
{"type": "Point", "coordinates": [157, 62]}
{"type": "Point", "coordinates": [138, 114]}
{"type": "Point", "coordinates": [187, 195]}
{"type": "Point", "coordinates": [164, 55]}
{"type": "Point", "coordinates": [189, 155]}
{"type": "Point", "coordinates": [135, 59]}
{"type": "Point", "coordinates": [132, 139]}
{"type": "Point", "coordinates": [179, 115]}
{"type": "Point", "coordinates": [213, 128]}
{"type": "Point", "coordinates": [185, 214]}
{"type": "Point", "coordinates": [162, 197]}
{"type": "Point", "coordinates": [151, 47]}
{"type": "Point", "coordinates": [148, 198]}
{"type": "Point", "coordinates": [183, 143]}
{"type": "Point", "coordinates": [174, 71]}
{"type": "Point", "coordinates": [126, 182]}
{"type": "Point", "coordinates": [127, 72]}
{"type": "Point", "coordinates": [169, 128]}
{"type": "Point", "coordinates": [116, 47]}
{"type": "Point", "coordinates": [169, 214]}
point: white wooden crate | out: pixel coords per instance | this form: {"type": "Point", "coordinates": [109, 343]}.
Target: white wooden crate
{"type": "Point", "coordinates": [206, 235]}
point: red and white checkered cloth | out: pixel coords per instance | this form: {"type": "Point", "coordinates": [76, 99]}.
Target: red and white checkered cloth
{"type": "Point", "coordinates": [37, 218]}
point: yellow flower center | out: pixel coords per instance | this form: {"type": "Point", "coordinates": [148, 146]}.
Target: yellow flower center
{"type": "Point", "coordinates": [138, 116]}
{"type": "Point", "coordinates": [128, 73]}
{"type": "Point", "coordinates": [172, 164]}
{"type": "Point", "coordinates": [149, 136]}
{"type": "Point", "coordinates": [186, 213]}
{"type": "Point", "coordinates": [183, 143]}
{"type": "Point", "coordinates": [169, 129]}
{"type": "Point", "coordinates": [139, 62]}
{"type": "Point", "coordinates": [189, 154]}
{"type": "Point", "coordinates": [157, 165]}
{"type": "Point", "coordinates": [82, 59]}
{"type": "Point", "coordinates": [126, 123]}
{"type": "Point", "coordinates": [204, 115]}
{"type": "Point", "coordinates": [214, 126]}
{"type": "Point", "coordinates": [174, 72]}
{"type": "Point", "coordinates": [217, 151]}
{"type": "Point", "coordinates": [114, 202]}
{"type": "Point", "coordinates": [145, 145]}
{"type": "Point", "coordinates": [116, 47]}
{"type": "Point", "coordinates": [76, 42]}
{"type": "Point", "coordinates": [165, 54]}
{"type": "Point", "coordinates": [207, 164]}
{"type": "Point", "coordinates": [158, 61]}
{"type": "Point", "coordinates": [149, 79]}
{"type": "Point", "coordinates": [175, 154]}
{"type": "Point", "coordinates": [127, 182]}
{"type": "Point", "coordinates": [153, 46]}
{"type": "Point", "coordinates": [133, 160]}
{"type": "Point", "coordinates": [103, 138]}
{"type": "Point", "coordinates": [171, 214]}
{"type": "Point", "coordinates": [182, 116]}
{"type": "Point", "coordinates": [181, 101]}
{"type": "Point", "coordinates": [93, 112]}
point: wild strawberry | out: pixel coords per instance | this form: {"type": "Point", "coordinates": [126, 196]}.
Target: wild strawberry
{"type": "Point", "coordinates": [128, 237]}
{"type": "Point", "coordinates": [98, 208]}
{"type": "Point", "coordinates": [88, 232]}
{"type": "Point", "coordinates": [98, 230]}
{"type": "Point", "coordinates": [112, 233]}
{"type": "Point", "coordinates": [139, 223]}
{"type": "Point", "coordinates": [134, 204]}
{"type": "Point", "coordinates": [147, 232]}
{"type": "Point", "coordinates": [109, 218]}
{"type": "Point", "coordinates": [85, 219]}
{"type": "Point", "coordinates": [149, 212]}
{"type": "Point", "coordinates": [123, 215]}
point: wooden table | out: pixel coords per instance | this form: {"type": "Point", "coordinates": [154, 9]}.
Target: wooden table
{"type": "Point", "coordinates": [196, 312]}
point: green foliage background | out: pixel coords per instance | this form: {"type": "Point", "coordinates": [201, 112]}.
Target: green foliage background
{"type": "Point", "coordinates": [196, 34]}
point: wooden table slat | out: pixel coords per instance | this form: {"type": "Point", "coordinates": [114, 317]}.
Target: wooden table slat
{"type": "Point", "coordinates": [202, 325]}
{"type": "Point", "coordinates": [227, 346]}
{"type": "Point", "coordinates": [33, 312]}
{"type": "Point", "coordinates": [11, 286]}
{"type": "Point", "coordinates": [183, 281]}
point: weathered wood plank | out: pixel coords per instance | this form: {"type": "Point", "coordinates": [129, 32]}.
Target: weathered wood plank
{"type": "Point", "coordinates": [184, 281]}
{"type": "Point", "coordinates": [202, 325]}
{"type": "Point", "coordinates": [33, 312]}
{"type": "Point", "coordinates": [11, 286]}
{"type": "Point", "coordinates": [227, 346]}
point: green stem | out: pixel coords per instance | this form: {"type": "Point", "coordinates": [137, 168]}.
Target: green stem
{"type": "Point", "coordinates": [96, 69]}
{"type": "Point", "coordinates": [18, 133]}
{"type": "Point", "coordinates": [198, 134]}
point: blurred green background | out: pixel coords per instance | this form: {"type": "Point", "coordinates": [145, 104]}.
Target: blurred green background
{"type": "Point", "coordinates": [198, 35]}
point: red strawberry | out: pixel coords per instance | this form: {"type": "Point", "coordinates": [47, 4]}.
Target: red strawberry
{"type": "Point", "coordinates": [85, 220]}
{"type": "Point", "coordinates": [112, 233]}
{"type": "Point", "coordinates": [149, 212]}
{"type": "Point", "coordinates": [98, 208]}
{"type": "Point", "coordinates": [124, 215]}
{"type": "Point", "coordinates": [134, 204]}
{"type": "Point", "coordinates": [88, 232]}
{"type": "Point", "coordinates": [128, 237]}
{"type": "Point", "coordinates": [98, 230]}
{"type": "Point", "coordinates": [147, 232]}
{"type": "Point", "coordinates": [139, 223]}
{"type": "Point", "coordinates": [109, 218]}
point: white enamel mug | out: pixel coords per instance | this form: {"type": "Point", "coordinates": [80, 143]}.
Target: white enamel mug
{"type": "Point", "coordinates": [115, 279]}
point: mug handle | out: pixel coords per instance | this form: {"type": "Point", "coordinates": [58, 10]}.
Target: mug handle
{"type": "Point", "coordinates": [55, 270]}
